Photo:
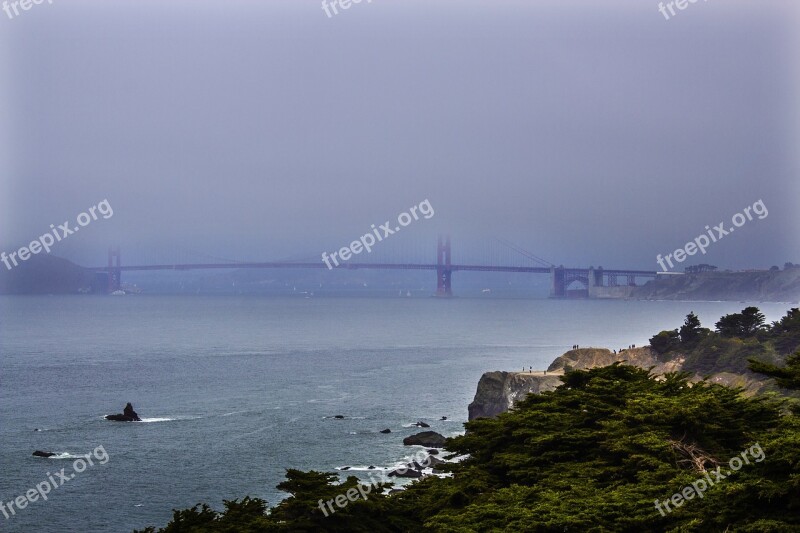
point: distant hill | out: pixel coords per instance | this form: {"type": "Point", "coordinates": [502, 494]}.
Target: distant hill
{"type": "Point", "coordinates": [764, 286]}
{"type": "Point", "coordinates": [44, 274]}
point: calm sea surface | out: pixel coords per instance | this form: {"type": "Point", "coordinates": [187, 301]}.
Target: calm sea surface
{"type": "Point", "coordinates": [237, 389]}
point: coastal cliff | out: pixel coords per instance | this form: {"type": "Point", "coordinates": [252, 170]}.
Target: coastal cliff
{"type": "Point", "coordinates": [45, 274]}
{"type": "Point", "coordinates": [498, 391]}
{"type": "Point", "coordinates": [768, 286]}
{"type": "Point", "coordinates": [586, 358]}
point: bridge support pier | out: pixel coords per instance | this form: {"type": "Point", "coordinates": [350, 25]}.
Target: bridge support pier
{"type": "Point", "coordinates": [558, 287]}
{"type": "Point", "coordinates": [444, 273]}
{"type": "Point", "coordinates": [114, 270]}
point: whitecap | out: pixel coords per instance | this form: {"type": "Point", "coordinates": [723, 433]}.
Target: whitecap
{"type": "Point", "coordinates": [233, 413]}
{"type": "Point", "coordinates": [66, 455]}
{"type": "Point", "coordinates": [170, 419]}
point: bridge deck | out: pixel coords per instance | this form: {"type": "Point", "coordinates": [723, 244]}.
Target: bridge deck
{"type": "Point", "coordinates": [378, 266]}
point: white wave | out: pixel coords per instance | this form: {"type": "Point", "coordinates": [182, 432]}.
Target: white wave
{"type": "Point", "coordinates": [170, 419]}
{"type": "Point", "coordinates": [363, 469]}
{"type": "Point", "coordinates": [65, 455]}
{"type": "Point", "coordinates": [233, 413]}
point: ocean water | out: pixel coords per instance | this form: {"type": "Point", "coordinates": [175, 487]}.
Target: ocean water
{"type": "Point", "coordinates": [234, 390]}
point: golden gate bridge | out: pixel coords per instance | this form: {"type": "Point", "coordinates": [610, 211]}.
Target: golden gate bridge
{"type": "Point", "coordinates": [593, 282]}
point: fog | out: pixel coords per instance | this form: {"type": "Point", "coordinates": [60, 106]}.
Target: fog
{"type": "Point", "coordinates": [586, 132]}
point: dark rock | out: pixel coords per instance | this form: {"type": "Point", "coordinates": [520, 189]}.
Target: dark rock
{"type": "Point", "coordinates": [339, 417]}
{"type": "Point", "coordinates": [433, 451]}
{"type": "Point", "coordinates": [499, 391]}
{"type": "Point", "coordinates": [39, 453]}
{"type": "Point", "coordinates": [128, 415]}
{"type": "Point", "coordinates": [421, 424]}
{"type": "Point", "coordinates": [428, 462]}
{"type": "Point", "coordinates": [387, 430]}
{"type": "Point", "coordinates": [429, 439]}
{"type": "Point", "coordinates": [345, 468]}
{"type": "Point", "coordinates": [400, 472]}
{"type": "Point", "coordinates": [431, 461]}
{"type": "Point", "coordinates": [444, 418]}
{"type": "Point", "coordinates": [370, 467]}
{"type": "Point", "coordinates": [129, 412]}
{"type": "Point", "coordinates": [395, 491]}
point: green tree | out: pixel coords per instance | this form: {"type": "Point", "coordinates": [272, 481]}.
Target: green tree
{"type": "Point", "coordinates": [665, 341]}
{"type": "Point", "coordinates": [787, 376]}
{"type": "Point", "coordinates": [785, 333]}
{"type": "Point", "coordinates": [690, 330]}
{"type": "Point", "coordinates": [742, 325]}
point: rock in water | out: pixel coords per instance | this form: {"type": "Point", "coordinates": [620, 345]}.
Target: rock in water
{"type": "Point", "coordinates": [402, 472]}
{"type": "Point", "coordinates": [387, 430]}
{"type": "Point", "coordinates": [39, 453]}
{"type": "Point", "coordinates": [422, 424]}
{"type": "Point", "coordinates": [429, 439]}
{"type": "Point", "coordinates": [128, 415]}
{"type": "Point", "coordinates": [432, 461]}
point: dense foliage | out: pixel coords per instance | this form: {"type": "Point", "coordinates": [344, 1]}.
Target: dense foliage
{"type": "Point", "coordinates": [742, 325]}
{"type": "Point", "coordinates": [593, 455]}
{"type": "Point", "coordinates": [738, 338]}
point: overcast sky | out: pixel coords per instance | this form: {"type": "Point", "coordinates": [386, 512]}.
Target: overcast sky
{"type": "Point", "coordinates": [587, 132]}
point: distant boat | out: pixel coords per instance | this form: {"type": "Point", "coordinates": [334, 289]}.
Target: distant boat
{"type": "Point", "coordinates": [486, 290]}
{"type": "Point", "coordinates": [118, 293]}
{"type": "Point", "coordinates": [408, 294]}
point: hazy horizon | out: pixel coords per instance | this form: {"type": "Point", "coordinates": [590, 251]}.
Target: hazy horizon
{"type": "Point", "coordinates": [589, 134]}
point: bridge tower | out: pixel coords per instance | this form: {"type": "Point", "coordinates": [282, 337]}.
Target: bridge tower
{"type": "Point", "coordinates": [114, 270]}
{"type": "Point", "coordinates": [558, 285]}
{"type": "Point", "coordinates": [443, 271]}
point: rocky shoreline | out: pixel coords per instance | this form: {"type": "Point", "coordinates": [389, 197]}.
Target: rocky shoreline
{"type": "Point", "coordinates": [498, 391]}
